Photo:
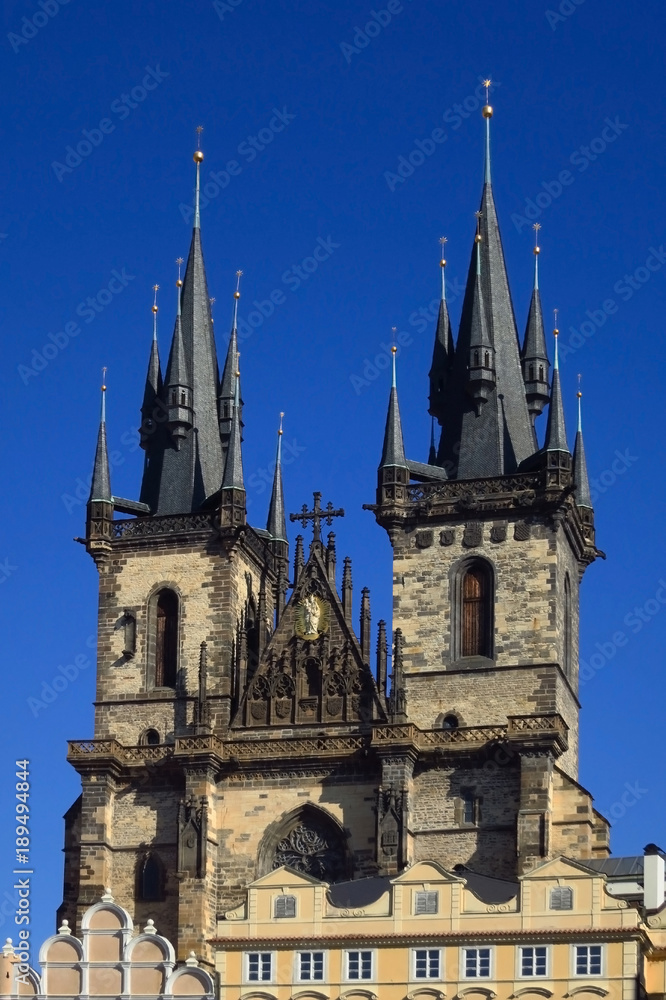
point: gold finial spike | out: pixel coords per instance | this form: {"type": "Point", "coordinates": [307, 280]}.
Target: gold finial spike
{"type": "Point", "coordinates": [180, 262]}
{"type": "Point", "coordinates": [103, 413]}
{"type": "Point", "coordinates": [487, 110]}
{"type": "Point", "coordinates": [198, 155]}
{"type": "Point", "coordinates": [394, 351]}
{"type": "Point", "coordinates": [442, 263]}
{"type": "Point", "coordinates": [536, 227]}
{"type": "Point", "coordinates": [156, 288]}
{"type": "Point", "coordinates": [555, 314]}
{"type": "Point", "coordinates": [579, 395]}
{"type": "Point", "coordinates": [237, 295]}
{"type": "Point", "coordinates": [280, 431]}
{"type": "Point", "coordinates": [104, 370]}
{"type": "Point", "coordinates": [478, 237]}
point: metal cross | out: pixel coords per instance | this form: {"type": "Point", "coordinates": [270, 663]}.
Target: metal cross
{"type": "Point", "coordinates": [317, 515]}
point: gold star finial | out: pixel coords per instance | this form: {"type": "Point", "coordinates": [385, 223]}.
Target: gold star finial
{"type": "Point", "coordinates": [442, 242]}
{"type": "Point", "coordinates": [487, 110]}
{"type": "Point", "coordinates": [156, 289]}
{"type": "Point", "coordinates": [478, 216]}
{"type": "Point", "coordinates": [104, 378]}
{"type": "Point", "coordinates": [579, 393]}
{"type": "Point", "coordinates": [239, 275]}
{"type": "Point", "coordinates": [394, 331]}
{"type": "Point", "coordinates": [198, 155]}
{"type": "Point", "coordinates": [280, 431]}
{"type": "Point", "coordinates": [179, 261]}
{"type": "Point", "coordinates": [555, 313]}
{"type": "Point", "coordinates": [536, 227]}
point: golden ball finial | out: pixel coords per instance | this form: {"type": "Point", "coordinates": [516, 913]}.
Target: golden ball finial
{"type": "Point", "coordinates": [478, 238]}
{"type": "Point", "coordinates": [179, 283]}
{"type": "Point", "coordinates": [579, 394]}
{"type": "Point", "coordinates": [537, 251]}
{"type": "Point", "coordinates": [394, 350]}
{"type": "Point", "coordinates": [236, 295]}
{"type": "Point", "coordinates": [487, 111]}
{"type": "Point", "coordinates": [154, 309]}
{"type": "Point", "coordinates": [442, 263]}
{"type": "Point", "coordinates": [556, 332]}
{"type": "Point", "coordinates": [198, 156]}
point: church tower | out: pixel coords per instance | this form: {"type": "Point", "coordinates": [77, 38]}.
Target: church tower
{"type": "Point", "coordinates": [490, 542]}
{"type": "Point", "coordinates": [243, 724]}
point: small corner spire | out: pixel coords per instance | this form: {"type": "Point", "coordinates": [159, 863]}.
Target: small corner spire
{"type": "Point", "coordinates": [198, 159]}
{"type": "Point", "coordinates": [177, 380]}
{"type": "Point", "coordinates": [487, 113]}
{"type": "Point", "coordinates": [442, 265]}
{"type": "Point", "coordinates": [155, 310]}
{"type": "Point", "coordinates": [153, 387]}
{"type": "Point", "coordinates": [277, 521]}
{"type": "Point", "coordinates": [229, 382]}
{"type": "Point", "coordinates": [534, 355]}
{"type": "Point", "coordinates": [443, 349]}
{"type": "Point", "coordinates": [233, 467]}
{"type": "Point", "coordinates": [393, 451]}
{"type": "Point", "coordinates": [581, 478]}
{"type": "Point", "coordinates": [100, 489]}
{"type": "Point", "coordinates": [481, 375]}
{"type": "Point", "coordinates": [556, 435]}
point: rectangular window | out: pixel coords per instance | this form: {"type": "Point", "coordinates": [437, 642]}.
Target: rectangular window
{"type": "Point", "coordinates": [427, 963]}
{"type": "Point", "coordinates": [425, 902]}
{"type": "Point", "coordinates": [311, 966]}
{"type": "Point", "coordinates": [359, 965]}
{"type": "Point", "coordinates": [259, 966]}
{"type": "Point", "coordinates": [285, 906]}
{"type": "Point", "coordinates": [476, 963]}
{"type": "Point", "coordinates": [534, 961]}
{"type": "Point", "coordinates": [588, 959]}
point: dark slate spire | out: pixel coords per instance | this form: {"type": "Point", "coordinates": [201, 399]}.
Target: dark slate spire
{"type": "Point", "coordinates": [443, 351]}
{"type": "Point", "coordinates": [534, 356]}
{"type": "Point", "coordinates": [186, 475]}
{"type": "Point", "coordinates": [581, 481]}
{"type": "Point", "coordinates": [277, 522]}
{"type": "Point", "coordinates": [227, 392]}
{"type": "Point", "coordinates": [500, 437]}
{"type": "Point", "coordinates": [393, 452]}
{"type": "Point", "coordinates": [481, 378]}
{"type": "Point", "coordinates": [556, 435]}
{"type": "Point", "coordinates": [177, 382]}
{"type": "Point", "coordinates": [432, 453]}
{"type": "Point", "coordinates": [233, 466]}
{"type": "Point", "coordinates": [153, 388]}
{"type": "Point", "coordinates": [100, 488]}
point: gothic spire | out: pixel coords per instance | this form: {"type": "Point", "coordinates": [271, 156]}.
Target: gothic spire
{"type": "Point", "coordinates": [153, 387]}
{"type": "Point", "coordinates": [227, 392]}
{"type": "Point", "coordinates": [496, 437]}
{"type": "Point", "coordinates": [556, 435]}
{"type": "Point", "coordinates": [233, 466]}
{"type": "Point", "coordinates": [177, 381]}
{"type": "Point", "coordinates": [393, 451]}
{"type": "Point", "coordinates": [581, 481]}
{"type": "Point", "coordinates": [277, 522]}
{"type": "Point", "coordinates": [534, 356]}
{"type": "Point", "coordinates": [186, 475]}
{"type": "Point", "coordinates": [100, 489]}
{"type": "Point", "coordinates": [443, 350]}
{"type": "Point", "coordinates": [481, 378]}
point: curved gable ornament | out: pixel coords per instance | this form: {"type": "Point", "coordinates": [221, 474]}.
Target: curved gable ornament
{"type": "Point", "coordinates": [313, 617]}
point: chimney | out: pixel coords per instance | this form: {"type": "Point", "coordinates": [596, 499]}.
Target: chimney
{"type": "Point", "coordinates": [653, 877]}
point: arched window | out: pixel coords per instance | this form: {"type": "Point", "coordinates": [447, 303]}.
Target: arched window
{"type": "Point", "coordinates": [151, 879]}
{"type": "Point", "coordinates": [540, 373]}
{"type": "Point", "coordinates": [166, 639]}
{"type": "Point", "coordinates": [476, 358]}
{"type": "Point", "coordinates": [149, 738]}
{"type": "Point", "coordinates": [476, 618]}
{"type": "Point", "coordinates": [531, 378]}
{"type": "Point", "coordinates": [312, 675]}
{"type": "Point", "coordinates": [567, 638]}
{"type": "Point", "coordinates": [450, 722]}
{"type": "Point", "coordinates": [487, 359]}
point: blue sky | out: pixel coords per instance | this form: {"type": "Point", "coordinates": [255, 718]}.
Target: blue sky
{"type": "Point", "coordinates": [308, 118]}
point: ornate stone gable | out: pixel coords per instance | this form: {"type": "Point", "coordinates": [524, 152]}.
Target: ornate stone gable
{"type": "Point", "coordinates": [312, 670]}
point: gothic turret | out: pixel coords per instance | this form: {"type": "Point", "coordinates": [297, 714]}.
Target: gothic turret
{"type": "Point", "coordinates": [534, 357]}
{"type": "Point", "coordinates": [393, 450]}
{"type": "Point", "coordinates": [185, 466]}
{"type": "Point", "coordinates": [100, 502]}
{"type": "Point", "coordinates": [153, 388]}
{"type": "Point", "coordinates": [277, 529]}
{"type": "Point", "coordinates": [232, 501]}
{"type": "Point", "coordinates": [581, 480]}
{"type": "Point", "coordinates": [558, 456]}
{"type": "Point", "coordinates": [178, 384]}
{"type": "Point", "coordinates": [227, 393]}
{"type": "Point", "coordinates": [443, 351]}
{"type": "Point", "coordinates": [486, 427]}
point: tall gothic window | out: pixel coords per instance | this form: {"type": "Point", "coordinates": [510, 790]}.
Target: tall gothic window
{"type": "Point", "coordinates": [567, 627]}
{"type": "Point", "coordinates": [252, 632]}
{"type": "Point", "coordinates": [476, 611]}
{"type": "Point", "coordinates": [166, 639]}
{"type": "Point", "coordinates": [151, 879]}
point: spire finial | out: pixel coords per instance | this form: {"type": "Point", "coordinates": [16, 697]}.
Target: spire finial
{"type": "Point", "coordinates": [239, 275]}
{"type": "Point", "coordinates": [103, 409]}
{"type": "Point", "coordinates": [280, 431]}
{"type": "Point", "coordinates": [487, 114]}
{"type": "Point", "coordinates": [211, 303]}
{"type": "Point", "coordinates": [154, 311]}
{"type": "Point", "coordinates": [394, 351]}
{"type": "Point", "coordinates": [179, 280]}
{"type": "Point", "coordinates": [556, 333]}
{"type": "Point", "coordinates": [477, 239]}
{"type": "Point", "coordinates": [536, 251]}
{"type": "Point", "coordinates": [442, 263]}
{"type": "Point", "coordinates": [237, 389]}
{"type": "Point", "coordinates": [198, 158]}
{"type": "Point", "coordinates": [579, 395]}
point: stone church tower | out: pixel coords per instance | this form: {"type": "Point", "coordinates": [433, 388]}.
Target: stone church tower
{"type": "Point", "coordinates": [241, 722]}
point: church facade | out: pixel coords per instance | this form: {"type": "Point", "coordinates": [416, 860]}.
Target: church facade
{"type": "Point", "coordinates": [264, 769]}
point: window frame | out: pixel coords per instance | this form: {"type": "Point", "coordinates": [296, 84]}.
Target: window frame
{"type": "Point", "coordinates": [574, 961]}
{"type": "Point", "coordinates": [246, 967]}
{"type": "Point", "coordinates": [520, 974]}
{"type": "Point", "coordinates": [311, 979]}
{"type": "Point", "coordinates": [373, 965]}
{"type": "Point", "coordinates": [560, 889]}
{"type": "Point", "coordinates": [458, 574]}
{"type": "Point", "coordinates": [427, 894]}
{"type": "Point", "coordinates": [440, 963]}
{"type": "Point", "coordinates": [463, 961]}
{"type": "Point", "coordinates": [284, 916]}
